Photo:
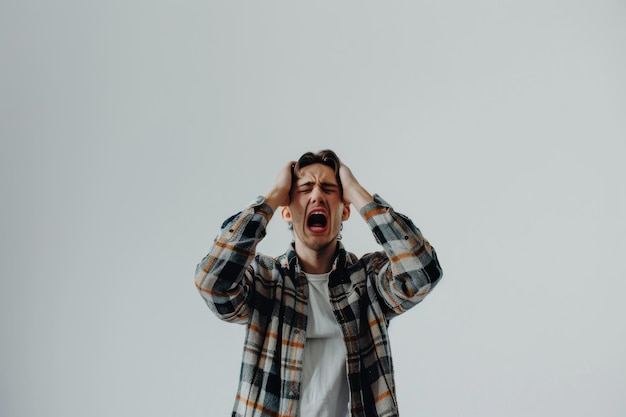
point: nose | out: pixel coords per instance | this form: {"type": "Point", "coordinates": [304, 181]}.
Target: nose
{"type": "Point", "coordinates": [317, 195]}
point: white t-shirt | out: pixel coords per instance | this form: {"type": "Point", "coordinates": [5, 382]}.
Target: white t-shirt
{"type": "Point", "coordinates": [324, 380]}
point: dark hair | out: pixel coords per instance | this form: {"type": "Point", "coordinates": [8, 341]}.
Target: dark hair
{"type": "Point", "coordinates": [324, 157]}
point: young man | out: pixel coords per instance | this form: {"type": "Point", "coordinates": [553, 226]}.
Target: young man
{"type": "Point", "coordinates": [317, 316]}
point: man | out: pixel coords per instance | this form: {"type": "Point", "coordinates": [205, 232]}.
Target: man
{"type": "Point", "coordinates": [317, 316]}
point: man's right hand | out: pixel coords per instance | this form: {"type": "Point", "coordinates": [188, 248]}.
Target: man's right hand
{"type": "Point", "coordinates": [279, 195]}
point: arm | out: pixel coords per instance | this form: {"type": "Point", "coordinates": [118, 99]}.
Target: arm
{"type": "Point", "coordinates": [224, 276]}
{"type": "Point", "coordinates": [409, 268]}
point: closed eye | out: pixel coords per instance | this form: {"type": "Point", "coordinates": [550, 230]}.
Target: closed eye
{"type": "Point", "coordinates": [327, 188]}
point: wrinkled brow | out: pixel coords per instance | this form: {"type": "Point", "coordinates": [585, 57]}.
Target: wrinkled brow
{"type": "Point", "coordinates": [323, 184]}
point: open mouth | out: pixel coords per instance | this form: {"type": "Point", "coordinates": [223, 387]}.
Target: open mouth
{"type": "Point", "coordinates": [317, 221]}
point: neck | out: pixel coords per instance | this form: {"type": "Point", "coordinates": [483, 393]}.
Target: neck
{"type": "Point", "coordinates": [318, 261]}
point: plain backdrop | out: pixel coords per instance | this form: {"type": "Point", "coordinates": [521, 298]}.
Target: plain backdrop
{"type": "Point", "coordinates": [131, 129]}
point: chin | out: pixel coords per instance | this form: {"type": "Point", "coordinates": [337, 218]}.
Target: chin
{"type": "Point", "coordinates": [319, 245]}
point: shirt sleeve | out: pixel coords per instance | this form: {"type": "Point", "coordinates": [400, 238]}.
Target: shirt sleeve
{"type": "Point", "coordinates": [408, 269]}
{"type": "Point", "coordinates": [224, 276]}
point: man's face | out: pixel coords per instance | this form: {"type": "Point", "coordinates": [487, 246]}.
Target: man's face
{"type": "Point", "coordinates": [316, 209]}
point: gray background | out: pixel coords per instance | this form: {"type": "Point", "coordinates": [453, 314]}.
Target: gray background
{"type": "Point", "coordinates": [131, 129]}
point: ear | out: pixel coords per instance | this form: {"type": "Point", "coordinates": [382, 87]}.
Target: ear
{"type": "Point", "coordinates": [345, 215]}
{"type": "Point", "coordinates": [286, 213]}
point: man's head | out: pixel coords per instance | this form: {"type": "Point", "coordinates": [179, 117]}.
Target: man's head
{"type": "Point", "coordinates": [324, 157]}
{"type": "Point", "coordinates": [316, 207]}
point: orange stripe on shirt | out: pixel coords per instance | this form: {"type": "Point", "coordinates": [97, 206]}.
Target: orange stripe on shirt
{"type": "Point", "coordinates": [259, 407]}
{"type": "Point", "coordinates": [292, 344]}
{"type": "Point", "coordinates": [212, 293]}
{"type": "Point", "coordinates": [402, 256]}
{"type": "Point", "coordinates": [374, 212]}
{"type": "Point", "coordinates": [273, 335]}
{"type": "Point", "coordinates": [383, 396]}
{"type": "Point", "coordinates": [375, 322]}
{"type": "Point", "coordinates": [230, 247]}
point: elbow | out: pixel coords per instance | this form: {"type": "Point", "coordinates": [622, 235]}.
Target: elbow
{"type": "Point", "coordinates": [228, 307]}
{"type": "Point", "coordinates": [433, 270]}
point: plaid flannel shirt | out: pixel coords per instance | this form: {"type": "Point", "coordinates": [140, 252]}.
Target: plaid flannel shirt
{"type": "Point", "coordinates": [269, 295]}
